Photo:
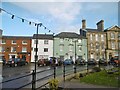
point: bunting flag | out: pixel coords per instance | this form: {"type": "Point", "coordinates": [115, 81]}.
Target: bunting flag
{"type": "Point", "coordinates": [23, 20]}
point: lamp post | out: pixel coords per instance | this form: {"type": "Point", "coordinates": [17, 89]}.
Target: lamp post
{"type": "Point", "coordinates": [75, 57]}
{"type": "Point", "coordinates": [36, 56]}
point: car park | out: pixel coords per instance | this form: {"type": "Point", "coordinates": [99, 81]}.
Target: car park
{"type": "Point", "coordinates": [68, 62]}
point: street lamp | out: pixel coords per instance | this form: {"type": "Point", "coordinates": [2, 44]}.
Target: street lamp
{"type": "Point", "coordinates": [36, 56]}
{"type": "Point", "coordinates": [75, 56]}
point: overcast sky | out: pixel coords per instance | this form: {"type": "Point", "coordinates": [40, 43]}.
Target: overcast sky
{"type": "Point", "coordinates": [57, 16]}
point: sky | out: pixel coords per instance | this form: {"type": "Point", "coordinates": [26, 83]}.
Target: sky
{"type": "Point", "coordinates": [57, 16]}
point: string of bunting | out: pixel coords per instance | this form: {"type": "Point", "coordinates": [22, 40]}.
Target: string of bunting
{"type": "Point", "coordinates": [25, 20]}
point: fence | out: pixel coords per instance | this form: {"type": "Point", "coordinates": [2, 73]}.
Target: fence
{"type": "Point", "coordinates": [67, 70]}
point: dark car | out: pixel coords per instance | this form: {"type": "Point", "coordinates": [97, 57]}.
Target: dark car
{"type": "Point", "coordinates": [21, 62]}
{"type": "Point", "coordinates": [41, 62]}
{"type": "Point", "coordinates": [91, 62]}
{"type": "Point", "coordinates": [4, 61]}
{"type": "Point", "coordinates": [68, 62]}
{"type": "Point", "coordinates": [80, 62]}
{"type": "Point", "coordinates": [102, 61]}
{"type": "Point", "coordinates": [12, 62]}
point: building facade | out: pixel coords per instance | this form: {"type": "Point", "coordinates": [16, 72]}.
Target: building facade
{"type": "Point", "coordinates": [45, 46]}
{"type": "Point", "coordinates": [113, 41]}
{"type": "Point", "coordinates": [68, 45]}
{"type": "Point", "coordinates": [96, 40]}
{"type": "Point", "coordinates": [16, 46]}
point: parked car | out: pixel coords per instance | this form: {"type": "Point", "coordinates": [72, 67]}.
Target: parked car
{"type": "Point", "coordinates": [12, 62]}
{"type": "Point", "coordinates": [91, 61]}
{"type": "Point", "coordinates": [114, 61]}
{"type": "Point", "coordinates": [68, 62]}
{"type": "Point", "coordinates": [4, 61]}
{"type": "Point", "coordinates": [80, 62]}
{"type": "Point", "coordinates": [41, 62]}
{"type": "Point", "coordinates": [102, 61]}
{"type": "Point", "coordinates": [21, 62]}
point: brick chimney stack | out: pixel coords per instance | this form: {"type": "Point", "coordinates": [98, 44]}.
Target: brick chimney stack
{"type": "Point", "coordinates": [83, 24]}
{"type": "Point", "coordinates": [100, 25]}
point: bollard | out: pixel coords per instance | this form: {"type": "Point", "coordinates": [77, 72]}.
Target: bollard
{"type": "Point", "coordinates": [75, 69]}
{"type": "Point", "coordinates": [64, 73]}
{"type": "Point", "coordinates": [54, 72]}
{"type": "Point", "coordinates": [33, 80]}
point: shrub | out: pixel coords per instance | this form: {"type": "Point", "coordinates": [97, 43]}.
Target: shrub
{"type": "Point", "coordinates": [53, 84]}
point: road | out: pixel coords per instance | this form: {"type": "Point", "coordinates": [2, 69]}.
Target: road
{"type": "Point", "coordinates": [14, 72]}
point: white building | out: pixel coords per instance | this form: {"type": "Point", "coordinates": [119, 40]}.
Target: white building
{"type": "Point", "coordinates": [45, 46]}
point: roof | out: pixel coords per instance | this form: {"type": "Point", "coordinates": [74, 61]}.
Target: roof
{"type": "Point", "coordinates": [111, 27]}
{"type": "Point", "coordinates": [91, 30]}
{"type": "Point", "coordinates": [16, 37]}
{"type": "Point", "coordinates": [44, 36]}
{"type": "Point", "coordinates": [69, 35]}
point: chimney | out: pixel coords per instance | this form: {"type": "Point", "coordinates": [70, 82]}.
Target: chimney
{"type": "Point", "coordinates": [100, 25]}
{"type": "Point", "coordinates": [83, 24]}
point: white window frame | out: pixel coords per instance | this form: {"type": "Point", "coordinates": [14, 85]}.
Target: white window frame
{"type": "Point", "coordinates": [24, 50]}
{"type": "Point", "coordinates": [112, 45]}
{"type": "Point", "coordinates": [61, 48]}
{"type": "Point", "coordinates": [25, 43]}
{"type": "Point", "coordinates": [13, 42]}
{"type": "Point", "coordinates": [12, 49]}
{"type": "Point", "coordinates": [70, 48]}
{"type": "Point", "coordinates": [112, 35]}
{"type": "Point", "coordinates": [46, 41]}
{"type": "Point", "coordinates": [96, 37]}
{"type": "Point", "coordinates": [3, 42]}
{"type": "Point", "coordinates": [91, 37]}
{"type": "Point", "coordinates": [102, 37]}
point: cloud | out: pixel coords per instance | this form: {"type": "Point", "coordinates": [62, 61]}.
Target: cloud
{"type": "Point", "coordinates": [60, 1]}
{"type": "Point", "coordinates": [64, 12]}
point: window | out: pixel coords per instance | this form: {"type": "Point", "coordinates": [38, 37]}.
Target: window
{"type": "Point", "coordinates": [13, 49]}
{"type": "Point", "coordinates": [3, 41]}
{"type": "Point", "coordinates": [45, 49]}
{"type": "Point", "coordinates": [91, 46]}
{"type": "Point", "coordinates": [97, 46]}
{"type": "Point", "coordinates": [112, 35]}
{"type": "Point", "coordinates": [102, 37]}
{"type": "Point", "coordinates": [79, 41]}
{"type": "Point", "coordinates": [102, 47]}
{"type": "Point", "coordinates": [112, 45]}
{"type": "Point", "coordinates": [61, 40]}
{"type": "Point", "coordinates": [80, 48]}
{"type": "Point", "coordinates": [13, 41]}
{"type": "Point", "coordinates": [35, 41]}
{"type": "Point", "coordinates": [45, 41]}
{"type": "Point", "coordinates": [24, 49]}
{"type": "Point", "coordinates": [119, 45]}
{"type": "Point", "coordinates": [70, 48]}
{"type": "Point", "coordinates": [61, 47]}
{"type": "Point", "coordinates": [2, 49]}
{"type": "Point", "coordinates": [91, 37]}
{"type": "Point", "coordinates": [24, 42]}
{"type": "Point", "coordinates": [96, 36]}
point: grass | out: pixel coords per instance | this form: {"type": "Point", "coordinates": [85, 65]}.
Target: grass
{"type": "Point", "coordinates": [102, 78]}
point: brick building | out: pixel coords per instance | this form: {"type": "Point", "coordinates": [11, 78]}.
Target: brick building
{"type": "Point", "coordinates": [16, 46]}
